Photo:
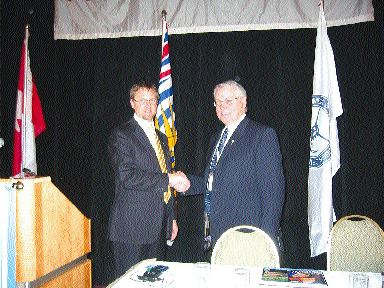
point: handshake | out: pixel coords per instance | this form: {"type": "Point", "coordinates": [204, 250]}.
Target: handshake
{"type": "Point", "coordinates": [179, 181]}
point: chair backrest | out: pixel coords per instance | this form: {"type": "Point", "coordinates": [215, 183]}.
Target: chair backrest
{"type": "Point", "coordinates": [245, 246]}
{"type": "Point", "coordinates": [356, 243]}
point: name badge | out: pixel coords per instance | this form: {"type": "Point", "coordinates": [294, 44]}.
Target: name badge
{"type": "Point", "coordinates": [210, 181]}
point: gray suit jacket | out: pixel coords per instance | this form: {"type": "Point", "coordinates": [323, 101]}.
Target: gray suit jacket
{"type": "Point", "coordinates": [248, 186]}
{"type": "Point", "coordinates": [138, 208]}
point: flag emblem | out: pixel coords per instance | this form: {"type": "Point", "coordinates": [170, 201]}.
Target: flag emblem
{"type": "Point", "coordinates": [320, 152]}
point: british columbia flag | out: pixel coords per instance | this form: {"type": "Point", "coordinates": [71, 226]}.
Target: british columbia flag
{"type": "Point", "coordinates": [165, 116]}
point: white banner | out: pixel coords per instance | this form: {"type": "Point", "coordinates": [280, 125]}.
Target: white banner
{"type": "Point", "coordinates": [80, 19]}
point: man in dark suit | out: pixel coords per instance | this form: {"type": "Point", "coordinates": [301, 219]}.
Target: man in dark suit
{"type": "Point", "coordinates": [243, 182]}
{"type": "Point", "coordinates": [143, 210]}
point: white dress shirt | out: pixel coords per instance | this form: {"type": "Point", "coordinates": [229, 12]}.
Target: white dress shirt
{"type": "Point", "coordinates": [149, 129]}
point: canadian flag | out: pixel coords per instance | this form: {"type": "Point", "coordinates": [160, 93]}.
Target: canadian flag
{"type": "Point", "coordinates": [28, 110]}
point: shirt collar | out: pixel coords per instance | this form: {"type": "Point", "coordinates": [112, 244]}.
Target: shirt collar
{"type": "Point", "coordinates": [145, 124]}
{"type": "Point", "coordinates": [232, 127]}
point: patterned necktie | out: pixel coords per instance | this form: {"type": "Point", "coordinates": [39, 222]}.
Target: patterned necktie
{"type": "Point", "coordinates": [207, 195]}
{"type": "Point", "coordinates": [212, 167]}
{"type": "Point", "coordinates": [218, 151]}
{"type": "Point", "coordinates": [163, 166]}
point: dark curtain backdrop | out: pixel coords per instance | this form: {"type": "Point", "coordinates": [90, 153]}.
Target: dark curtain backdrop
{"type": "Point", "coordinates": [84, 86]}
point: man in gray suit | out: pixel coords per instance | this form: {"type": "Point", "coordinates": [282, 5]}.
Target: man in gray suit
{"type": "Point", "coordinates": [143, 210]}
{"type": "Point", "coordinates": [243, 182]}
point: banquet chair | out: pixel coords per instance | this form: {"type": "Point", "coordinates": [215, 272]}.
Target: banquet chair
{"type": "Point", "coordinates": [245, 246]}
{"type": "Point", "coordinates": [356, 243]}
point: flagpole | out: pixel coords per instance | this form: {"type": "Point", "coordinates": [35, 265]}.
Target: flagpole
{"type": "Point", "coordinates": [24, 117]}
{"type": "Point", "coordinates": [164, 19]}
{"type": "Point", "coordinates": [164, 15]}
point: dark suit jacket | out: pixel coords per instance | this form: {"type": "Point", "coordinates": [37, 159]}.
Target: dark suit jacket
{"type": "Point", "coordinates": [248, 186]}
{"type": "Point", "coordinates": [138, 208]}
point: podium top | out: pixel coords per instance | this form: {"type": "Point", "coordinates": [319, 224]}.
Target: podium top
{"type": "Point", "coordinates": [36, 179]}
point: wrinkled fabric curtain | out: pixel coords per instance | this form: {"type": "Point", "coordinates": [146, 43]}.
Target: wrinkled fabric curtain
{"type": "Point", "coordinates": [128, 18]}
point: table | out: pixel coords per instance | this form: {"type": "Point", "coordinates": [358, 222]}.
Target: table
{"type": "Point", "coordinates": [202, 275]}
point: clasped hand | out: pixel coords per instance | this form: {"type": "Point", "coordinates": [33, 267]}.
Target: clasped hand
{"type": "Point", "coordinates": [179, 181]}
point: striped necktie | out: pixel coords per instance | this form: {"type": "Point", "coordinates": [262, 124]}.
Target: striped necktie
{"type": "Point", "coordinates": [163, 166]}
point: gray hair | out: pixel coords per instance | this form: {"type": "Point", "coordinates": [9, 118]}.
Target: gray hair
{"type": "Point", "coordinates": [240, 91]}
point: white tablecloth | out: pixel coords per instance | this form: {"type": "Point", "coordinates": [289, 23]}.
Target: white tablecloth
{"type": "Point", "coordinates": [188, 275]}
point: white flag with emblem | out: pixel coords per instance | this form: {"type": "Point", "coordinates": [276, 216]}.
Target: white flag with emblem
{"type": "Point", "coordinates": [324, 143]}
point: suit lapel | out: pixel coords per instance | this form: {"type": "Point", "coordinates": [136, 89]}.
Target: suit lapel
{"type": "Point", "coordinates": [234, 140]}
{"type": "Point", "coordinates": [140, 134]}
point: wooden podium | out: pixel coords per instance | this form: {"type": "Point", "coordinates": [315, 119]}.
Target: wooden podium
{"type": "Point", "coordinates": [53, 237]}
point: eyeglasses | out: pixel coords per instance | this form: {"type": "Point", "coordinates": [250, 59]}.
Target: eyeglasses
{"type": "Point", "coordinates": [146, 101]}
{"type": "Point", "coordinates": [227, 102]}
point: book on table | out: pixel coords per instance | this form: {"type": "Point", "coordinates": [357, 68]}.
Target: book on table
{"type": "Point", "coordinates": [289, 275]}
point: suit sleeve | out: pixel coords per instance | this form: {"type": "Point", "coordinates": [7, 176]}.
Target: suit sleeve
{"type": "Point", "coordinates": [197, 185]}
{"type": "Point", "coordinates": [271, 180]}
